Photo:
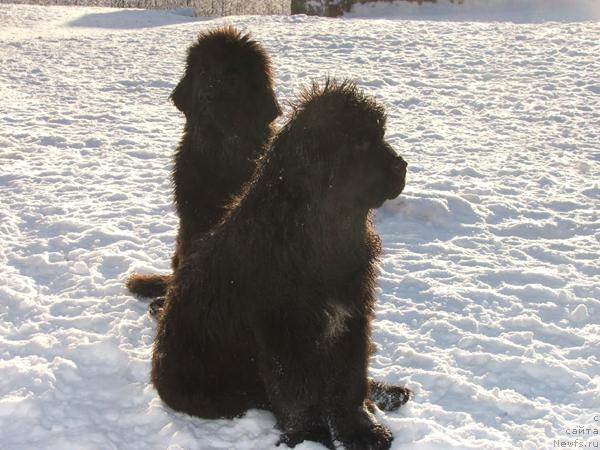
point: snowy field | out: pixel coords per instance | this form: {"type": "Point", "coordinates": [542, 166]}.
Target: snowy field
{"type": "Point", "coordinates": [489, 300]}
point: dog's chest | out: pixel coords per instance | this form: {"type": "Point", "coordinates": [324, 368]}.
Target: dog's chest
{"type": "Point", "coordinates": [337, 317]}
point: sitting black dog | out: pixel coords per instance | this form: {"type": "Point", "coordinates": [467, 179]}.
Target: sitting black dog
{"type": "Point", "coordinates": [273, 308]}
{"type": "Point", "coordinates": [229, 102]}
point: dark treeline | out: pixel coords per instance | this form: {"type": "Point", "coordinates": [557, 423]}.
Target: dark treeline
{"type": "Point", "coordinates": [336, 8]}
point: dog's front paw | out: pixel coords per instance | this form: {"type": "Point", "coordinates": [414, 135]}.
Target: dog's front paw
{"type": "Point", "coordinates": [376, 437]}
{"type": "Point", "coordinates": [388, 397]}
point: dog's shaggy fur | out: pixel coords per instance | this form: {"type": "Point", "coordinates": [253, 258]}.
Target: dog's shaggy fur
{"type": "Point", "coordinates": [272, 309]}
{"type": "Point", "coordinates": [229, 103]}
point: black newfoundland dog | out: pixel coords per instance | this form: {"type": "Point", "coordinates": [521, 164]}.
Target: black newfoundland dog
{"type": "Point", "coordinates": [229, 103]}
{"type": "Point", "coordinates": [273, 308]}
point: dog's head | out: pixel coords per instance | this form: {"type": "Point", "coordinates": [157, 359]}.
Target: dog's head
{"type": "Point", "coordinates": [335, 142]}
{"type": "Point", "coordinates": [227, 82]}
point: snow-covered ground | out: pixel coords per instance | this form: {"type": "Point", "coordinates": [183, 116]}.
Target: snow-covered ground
{"type": "Point", "coordinates": [489, 300]}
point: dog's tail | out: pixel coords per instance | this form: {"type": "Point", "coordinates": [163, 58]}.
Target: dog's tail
{"type": "Point", "coordinates": [148, 285]}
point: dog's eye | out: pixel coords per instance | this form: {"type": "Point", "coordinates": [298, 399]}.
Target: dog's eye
{"type": "Point", "coordinates": [232, 71]}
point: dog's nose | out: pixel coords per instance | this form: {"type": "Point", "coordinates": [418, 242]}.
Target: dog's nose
{"type": "Point", "coordinates": [399, 165]}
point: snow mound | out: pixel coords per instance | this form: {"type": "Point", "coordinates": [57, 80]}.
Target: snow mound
{"type": "Point", "coordinates": [440, 211]}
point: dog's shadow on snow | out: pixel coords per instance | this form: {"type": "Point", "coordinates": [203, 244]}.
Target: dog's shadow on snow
{"type": "Point", "coordinates": [133, 19]}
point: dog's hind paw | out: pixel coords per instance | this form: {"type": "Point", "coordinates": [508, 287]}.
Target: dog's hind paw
{"type": "Point", "coordinates": [156, 306]}
{"type": "Point", "coordinates": [293, 438]}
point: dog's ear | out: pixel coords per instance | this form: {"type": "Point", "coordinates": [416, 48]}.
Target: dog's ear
{"type": "Point", "coordinates": [182, 95]}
